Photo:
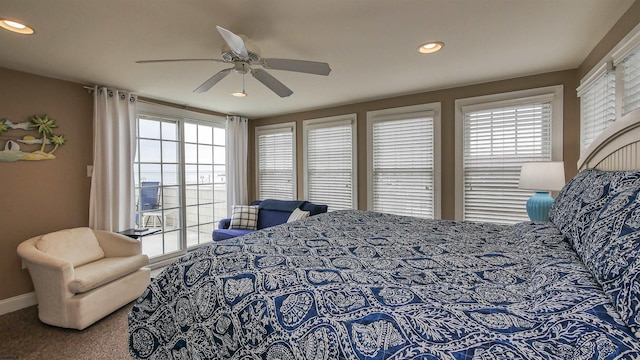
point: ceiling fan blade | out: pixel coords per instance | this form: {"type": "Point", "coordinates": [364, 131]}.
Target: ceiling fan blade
{"type": "Point", "coordinates": [303, 66]}
{"type": "Point", "coordinates": [234, 41]}
{"type": "Point", "coordinates": [212, 81]}
{"type": "Point", "coordinates": [272, 83]}
{"type": "Point", "coordinates": [174, 60]}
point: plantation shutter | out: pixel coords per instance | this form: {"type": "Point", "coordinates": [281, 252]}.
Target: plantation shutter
{"type": "Point", "coordinates": [631, 82]}
{"type": "Point", "coordinates": [597, 107]}
{"type": "Point", "coordinates": [330, 165]}
{"type": "Point", "coordinates": [276, 164]}
{"type": "Point", "coordinates": [402, 177]}
{"type": "Point", "coordinates": [497, 141]}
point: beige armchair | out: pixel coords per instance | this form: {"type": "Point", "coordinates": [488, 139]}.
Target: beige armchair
{"type": "Point", "coordinates": [81, 275]}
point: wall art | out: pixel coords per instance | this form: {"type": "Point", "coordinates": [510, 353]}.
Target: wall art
{"type": "Point", "coordinates": [30, 146]}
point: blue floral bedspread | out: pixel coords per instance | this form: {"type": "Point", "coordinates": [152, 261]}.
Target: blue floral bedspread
{"type": "Point", "coordinates": [364, 285]}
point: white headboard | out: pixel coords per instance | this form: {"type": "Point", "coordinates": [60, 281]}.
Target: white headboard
{"type": "Point", "coordinates": [617, 148]}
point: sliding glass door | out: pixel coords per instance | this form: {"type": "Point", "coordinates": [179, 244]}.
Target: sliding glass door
{"type": "Point", "coordinates": [180, 182]}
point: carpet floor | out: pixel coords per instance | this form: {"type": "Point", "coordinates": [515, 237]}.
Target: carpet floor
{"type": "Point", "coordinates": [24, 337]}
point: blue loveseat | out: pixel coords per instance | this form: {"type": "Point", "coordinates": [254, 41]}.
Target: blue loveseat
{"type": "Point", "coordinates": [271, 213]}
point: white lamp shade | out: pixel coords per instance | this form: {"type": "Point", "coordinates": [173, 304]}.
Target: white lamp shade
{"type": "Point", "coordinates": [542, 176]}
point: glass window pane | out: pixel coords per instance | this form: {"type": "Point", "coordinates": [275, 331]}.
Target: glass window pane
{"type": "Point", "coordinates": [219, 136]}
{"type": "Point", "coordinates": [191, 174]}
{"type": "Point", "coordinates": [205, 195]}
{"type": "Point", "coordinates": [205, 154]}
{"type": "Point", "coordinates": [169, 131]}
{"type": "Point", "coordinates": [150, 172]}
{"type": "Point", "coordinates": [170, 197]}
{"type": "Point", "coordinates": [170, 151]}
{"type": "Point", "coordinates": [152, 245]}
{"type": "Point", "coordinates": [170, 174]}
{"type": "Point", "coordinates": [171, 219]}
{"type": "Point", "coordinates": [191, 193]}
{"type": "Point", "coordinates": [171, 241]}
{"type": "Point", "coordinates": [192, 236]}
{"type": "Point", "coordinates": [192, 216]}
{"type": "Point", "coordinates": [205, 174]}
{"type": "Point", "coordinates": [219, 155]}
{"type": "Point", "coordinates": [190, 133]}
{"type": "Point", "coordinates": [191, 153]}
{"type": "Point", "coordinates": [149, 150]}
{"type": "Point", "coordinates": [219, 174]}
{"type": "Point", "coordinates": [205, 135]}
{"type": "Point", "coordinates": [219, 207]}
{"type": "Point", "coordinates": [149, 129]}
{"type": "Point", "coordinates": [206, 214]}
{"type": "Point", "coordinates": [205, 233]}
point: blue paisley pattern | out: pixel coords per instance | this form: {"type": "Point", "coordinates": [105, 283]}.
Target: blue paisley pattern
{"type": "Point", "coordinates": [364, 285]}
{"type": "Point", "coordinates": [606, 233]}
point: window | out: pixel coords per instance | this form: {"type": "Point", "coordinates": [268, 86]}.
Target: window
{"type": "Point", "coordinates": [611, 90]}
{"type": "Point", "coordinates": [330, 161]}
{"type": "Point", "coordinates": [275, 161]}
{"type": "Point", "coordinates": [597, 107]}
{"type": "Point", "coordinates": [499, 133]}
{"type": "Point", "coordinates": [630, 69]}
{"type": "Point", "coordinates": [180, 163]}
{"type": "Point", "coordinates": [402, 171]}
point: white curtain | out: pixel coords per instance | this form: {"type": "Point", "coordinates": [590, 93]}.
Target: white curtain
{"type": "Point", "coordinates": [237, 139]}
{"type": "Point", "coordinates": [111, 203]}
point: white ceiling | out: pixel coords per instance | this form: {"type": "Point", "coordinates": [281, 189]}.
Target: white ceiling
{"type": "Point", "coordinates": [369, 44]}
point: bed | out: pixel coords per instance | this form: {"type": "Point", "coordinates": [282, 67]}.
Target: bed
{"type": "Point", "coordinates": [365, 285]}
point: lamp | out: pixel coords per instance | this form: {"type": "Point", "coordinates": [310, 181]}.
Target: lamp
{"type": "Point", "coordinates": [543, 176]}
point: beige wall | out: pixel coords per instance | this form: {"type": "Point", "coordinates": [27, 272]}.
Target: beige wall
{"type": "Point", "coordinates": [48, 195]}
{"type": "Point", "coordinates": [447, 100]}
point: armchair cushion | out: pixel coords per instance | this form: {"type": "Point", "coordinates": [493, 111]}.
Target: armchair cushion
{"type": "Point", "coordinates": [78, 246]}
{"type": "Point", "coordinates": [103, 271]}
{"type": "Point", "coordinates": [95, 274]}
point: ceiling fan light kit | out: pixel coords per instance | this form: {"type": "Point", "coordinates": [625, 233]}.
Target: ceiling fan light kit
{"type": "Point", "coordinates": [243, 54]}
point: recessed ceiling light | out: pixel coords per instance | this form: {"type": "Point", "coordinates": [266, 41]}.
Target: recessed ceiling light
{"type": "Point", "coordinates": [430, 47]}
{"type": "Point", "coordinates": [16, 27]}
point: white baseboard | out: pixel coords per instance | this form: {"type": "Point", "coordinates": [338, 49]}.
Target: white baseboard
{"type": "Point", "coordinates": [17, 302]}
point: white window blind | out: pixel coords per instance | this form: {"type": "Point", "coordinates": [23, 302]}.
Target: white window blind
{"type": "Point", "coordinates": [330, 164]}
{"type": "Point", "coordinates": [402, 166]}
{"type": "Point", "coordinates": [597, 107]}
{"type": "Point", "coordinates": [631, 83]}
{"type": "Point", "coordinates": [276, 175]}
{"type": "Point", "coordinates": [496, 143]}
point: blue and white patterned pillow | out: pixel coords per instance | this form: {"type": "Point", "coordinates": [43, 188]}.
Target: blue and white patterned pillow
{"type": "Point", "coordinates": [610, 248]}
{"type": "Point", "coordinates": [577, 204]}
{"type": "Point", "coordinates": [244, 217]}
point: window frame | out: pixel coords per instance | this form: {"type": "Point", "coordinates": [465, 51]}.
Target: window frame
{"type": "Point", "coordinates": [404, 113]}
{"type": "Point", "coordinates": [311, 124]}
{"type": "Point", "coordinates": [499, 100]}
{"type": "Point", "coordinates": [276, 129]}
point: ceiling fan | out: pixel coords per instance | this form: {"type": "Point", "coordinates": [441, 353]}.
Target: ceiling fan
{"type": "Point", "coordinates": [243, 54]}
